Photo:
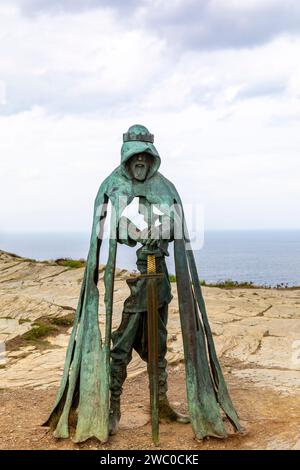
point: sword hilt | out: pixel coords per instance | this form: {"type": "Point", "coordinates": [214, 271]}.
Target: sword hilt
{"type": "Point", "coordinates": [151, 264]}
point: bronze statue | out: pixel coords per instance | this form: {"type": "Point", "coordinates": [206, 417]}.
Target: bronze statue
{"type": "Point", "coordinates": [95, 368]}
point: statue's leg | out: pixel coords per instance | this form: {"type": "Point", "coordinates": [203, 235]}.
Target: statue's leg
{"type": "Point", "coordinates": [141, 346]}
{"type": "Point", "coordinates": [166, 412]}
{"type": "Point", "coordinates": [121, 354]}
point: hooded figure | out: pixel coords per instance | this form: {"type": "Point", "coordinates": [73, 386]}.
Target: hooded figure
{"type": "Point", "coordinates": [95, 367]}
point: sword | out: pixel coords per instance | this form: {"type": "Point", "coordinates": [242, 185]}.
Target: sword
{"type": "Point", "coordinates": [152, 323]}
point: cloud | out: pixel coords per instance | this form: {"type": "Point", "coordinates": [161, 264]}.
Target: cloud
{"type": "Point", "coordinates": [66, 71]}
{"type": "Point", "coordinates": [191, 24]}
{"type": "Point", "coordinates": [36, 7]}
{"type": "Point", "coordinates": [267, 88]}
{"type": "Point", "coordinates": [221, 24]}
{"type": "Point", "coordinates": [87, 57]}
{"type": "Point", "coordinates": [225, 118]}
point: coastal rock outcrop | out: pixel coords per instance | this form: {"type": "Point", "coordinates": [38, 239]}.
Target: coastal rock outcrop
{"type": "Point", "coordinates": [256, 330]}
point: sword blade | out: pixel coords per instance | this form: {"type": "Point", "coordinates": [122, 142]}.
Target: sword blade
{"type": "Point", "coordinates": [152, 322]}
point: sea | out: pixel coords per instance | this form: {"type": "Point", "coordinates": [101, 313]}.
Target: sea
{"type": "Point", "coordinates": [264, 257]}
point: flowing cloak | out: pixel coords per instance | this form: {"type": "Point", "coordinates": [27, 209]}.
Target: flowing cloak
{"type": "Point", "coordinates": [85, 381]}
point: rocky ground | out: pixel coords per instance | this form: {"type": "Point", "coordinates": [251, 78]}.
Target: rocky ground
{"type": "Point", "coordinates": [256, 331]}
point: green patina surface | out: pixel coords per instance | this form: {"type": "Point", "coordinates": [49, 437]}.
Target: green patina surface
{"type": "Point", "coordinates": [85, 384]}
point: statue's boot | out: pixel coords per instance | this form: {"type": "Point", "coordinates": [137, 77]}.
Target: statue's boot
{"type": "Point", "coordinates": [166, 412]}
{"type": "Point", "coordinates": [114, 415]}
{"type": "Point", "coordinates": [117, 378]}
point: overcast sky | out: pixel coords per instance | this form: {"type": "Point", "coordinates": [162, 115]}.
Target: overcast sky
{"type": "Point", "coordinates": [216, 81]}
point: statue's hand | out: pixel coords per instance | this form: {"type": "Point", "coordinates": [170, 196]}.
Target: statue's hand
{"type": "Point", "coordinates": [150, 238]}
{"type": "Point", "coordinates": [152, 243]}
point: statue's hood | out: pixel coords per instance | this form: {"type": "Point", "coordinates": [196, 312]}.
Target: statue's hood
{"type": "Point", "coordinates": [133, 147]}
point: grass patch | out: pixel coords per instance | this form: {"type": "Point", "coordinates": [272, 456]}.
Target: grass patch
{"type": "Point", "coordinates": [39, 330]}
{"type": "Point", "coordinates": [67, 320]}
{"type": "Point", "coordinates": [230, 284]}
{"type": "Point", "coordinates": [13, 255]}
{"type": "Point", "coordinates": [42, 328]}
{"type": "Point", "coordinates": [71, 263]}
{"type": "Point", "coordinates": [24, 320]}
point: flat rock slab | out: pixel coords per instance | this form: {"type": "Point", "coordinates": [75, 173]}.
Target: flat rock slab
{"type": "Point", "coordinates": [256, 331]}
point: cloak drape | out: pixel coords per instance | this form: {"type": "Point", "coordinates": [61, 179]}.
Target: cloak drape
{"type": "Point", "coordinates": [85, 381]}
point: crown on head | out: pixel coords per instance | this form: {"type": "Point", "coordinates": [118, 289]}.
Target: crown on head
{"type": "Point", "coordinates": [138, 132]}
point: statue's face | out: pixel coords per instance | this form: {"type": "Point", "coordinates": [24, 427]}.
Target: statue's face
{"type": "Point", "coordinates": [139, 166]}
